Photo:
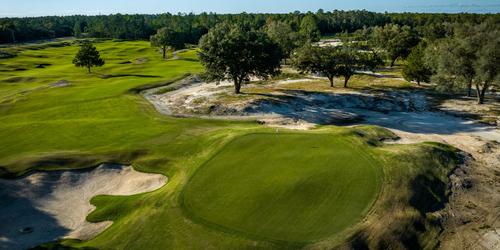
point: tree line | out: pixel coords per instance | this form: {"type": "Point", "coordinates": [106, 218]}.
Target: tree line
{"type": "Point", "coordinates": [466, 60]}
{"type": "Point", "coordinates": [464, 57]}
{"type": "Point", "coordinates": [238, 53]}
{"type": "Point", "coordinates": [456, 51]}
{"type": "Point", "coordinates": [193, 26]}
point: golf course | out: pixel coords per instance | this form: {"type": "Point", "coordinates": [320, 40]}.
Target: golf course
{"type": "Point", "coordinates": [231, 183]}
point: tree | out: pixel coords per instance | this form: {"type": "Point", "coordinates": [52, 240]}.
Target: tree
{"type": "Point", "coordinates": [309, 29]}
{"type": "Point", "coordinates": [469, 58]}
{"type": "Point", "coordinates": [282, 34]}
{"type": "Point", "coordinates": [237, 52]}
{"type": "Point", "coordinates": [416, 68]}
{"type": "Point", "coordinates": [487, 66]}
{"type": "Point", "coordinates": [350, 60]}
{"type": "Point", "coordinates": [395, 40]}
{"type": "Point", "coordinates": [10, 27]}
{"type": "Point", "coordinates": [77, 30]}
{"type": "Point", "coordinates": [88, 57]}
{"type": "Point", "coordinates": [194, 26]}
{"type": "Point", "coordinates": [166, 37]}
{"type": "Point", "coordinates": [342, 61]}
{"type": "Point", "coordinates": [315, 59]}
{"type": "Point", "coordinates": [451, 64]}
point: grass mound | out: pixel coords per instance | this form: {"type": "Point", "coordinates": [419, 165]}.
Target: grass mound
{"type": "Point", "coordinates": [284, 187]}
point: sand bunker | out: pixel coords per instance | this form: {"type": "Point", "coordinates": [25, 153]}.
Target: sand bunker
{"type": "Point", "coordinates": [46, 206]}
{"type": "Point", "coordinates": [277, 106]}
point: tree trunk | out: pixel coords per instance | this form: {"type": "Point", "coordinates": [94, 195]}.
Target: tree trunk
{"type": "Point", "coordinates": [346, 80]}
{"type": "Point", "coordinates": [330, 78]}
{"type": "Point", "coordinates": [13, 36]}
{"type": "Point", "coordinates": [88, 68]}
{"type": "Point", "coordinates": [418, 82]}
{"type": "Point", "coordinates": [164, 52]}
{"type": "Point", "coordinates": [485, 88]}
{"type": "Point", "coordinates": [393, 61]}
{"type": "Point", "coordinates": [469, 89]}
{"type": "Point", "coordinates": [481, 92]}
{"type": "Point", "coordinates": [237, 85]}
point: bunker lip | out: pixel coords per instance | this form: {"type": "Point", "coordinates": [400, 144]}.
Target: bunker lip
{"type": "Point", "coordinates": [45, 206]}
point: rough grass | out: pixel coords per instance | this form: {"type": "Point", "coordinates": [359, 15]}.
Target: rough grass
{"type": "Point", "coordinates": [97, 120]}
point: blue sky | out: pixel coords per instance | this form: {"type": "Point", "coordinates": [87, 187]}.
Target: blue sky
{"type": "Point", "coordinates": [93, 7]}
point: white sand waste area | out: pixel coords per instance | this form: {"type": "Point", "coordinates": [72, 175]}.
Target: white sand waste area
{"type": "Point", "coordinates": [46, 206]}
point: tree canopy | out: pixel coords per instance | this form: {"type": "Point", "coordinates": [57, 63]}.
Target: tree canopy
{"type": "Point", "coordinates": [88, 57]}
{"type": "Point", "coordinates": [351, 60]}
{"type": "Point", "coordinates": [194, 26]}
{"type": "Point", "coordinates": [416, 68]}
{"type": "Point", "coordinates": [282, 34]}
{"type": "Point", "coordinates": [309, 29]}
{"type": "Point", "coordinates": [397, 41]}
{"type": "Point", "coordinates": [315, 59]}
{"type": "Point", "coordinates": [237, 52]}
{"type": "Point", "coordinates": [469, 58]}
{"type": "Point", "coordinates": [165, 38]}
{"type": "Point", "coordinates": [330, 61]}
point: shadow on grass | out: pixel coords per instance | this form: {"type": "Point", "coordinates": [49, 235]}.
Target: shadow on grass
{"type": "Point", "coordinates": [428, 194]}
{"type": "Point", "coordinates": [60, 246]}
{"type": "Point", "coordinates": [127, 75]}
{"type": "Point", "coordinates": [67, 161]}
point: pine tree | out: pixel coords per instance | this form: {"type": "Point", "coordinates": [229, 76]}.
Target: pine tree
{"type": "Point", "coordinates": [88, 57]}
{"type": "Point", "coordinates": [416, 69]}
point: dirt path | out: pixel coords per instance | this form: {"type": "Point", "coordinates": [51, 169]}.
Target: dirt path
{"type": "Point", "coordinates": [46, 206]}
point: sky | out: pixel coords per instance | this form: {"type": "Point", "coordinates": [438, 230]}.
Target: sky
{"type": "Point", "coordinates": [21, 8]}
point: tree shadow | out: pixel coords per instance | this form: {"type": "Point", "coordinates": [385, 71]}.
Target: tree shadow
{"type": "Point", "coordinates": [24, 225]}
{"type": "Point", "coordinates": [314, 107]}
{"type": "Point", "coordinates": [428, 123]}
{"type": "Point", "coordinates": [428, 194]}
{"type": "Point", "coordinates": [105, 76]}
{"type": "Point", "coordinates": [391, 110]}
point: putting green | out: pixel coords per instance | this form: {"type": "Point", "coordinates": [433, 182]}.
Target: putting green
{"type": "Point", "coordinates": [284, 187]}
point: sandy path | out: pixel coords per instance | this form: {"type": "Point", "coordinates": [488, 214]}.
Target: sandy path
{"type": "Point", "coordinates": [46, 206]}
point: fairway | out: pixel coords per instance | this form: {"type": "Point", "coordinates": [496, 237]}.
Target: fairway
{"type": "Point", "coordinates": [284, 187]}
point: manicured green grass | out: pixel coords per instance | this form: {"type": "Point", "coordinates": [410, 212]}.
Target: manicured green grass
{"type": "Point", "coordinates": [94, 115]}
{"type": "Point", "coordinates": [284, 187]}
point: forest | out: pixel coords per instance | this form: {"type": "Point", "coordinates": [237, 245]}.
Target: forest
{"type": "Point", "coordinates": [193, 26]}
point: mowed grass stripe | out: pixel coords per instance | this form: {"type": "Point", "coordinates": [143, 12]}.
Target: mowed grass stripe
{"type": "Point", "coordinates": [284, 187]}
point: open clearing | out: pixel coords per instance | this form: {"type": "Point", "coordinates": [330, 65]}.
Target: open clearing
{"type": "Point", "coordinates": [284, 187]}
